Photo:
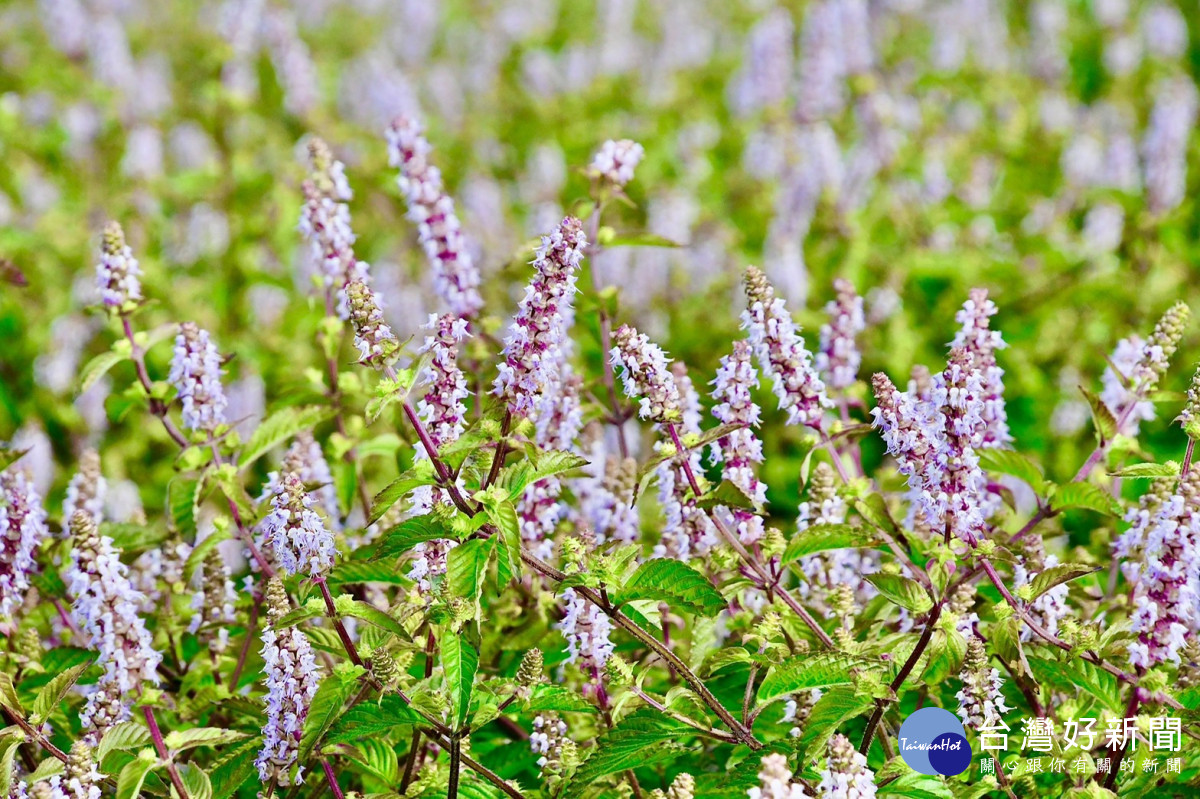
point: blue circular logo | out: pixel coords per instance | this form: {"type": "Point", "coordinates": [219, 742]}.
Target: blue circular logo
{"type": "Point", "coordinates": [933, 741]}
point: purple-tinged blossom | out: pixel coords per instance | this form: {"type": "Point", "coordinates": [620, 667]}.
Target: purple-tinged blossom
{"type": "Point", "coordinates": [687, 528]}
{"type": "Point", "coordinates": [822, 68]}
{"type": "Point", "coordinates": [292, 676]}
{"type": "Point", "coordinates": [1117, 395]}
{"type": "Point", "coordinates": [214, 605]}
{"type": "Point", "coordinates": [1049, 609]}
{"type": "Point", "coordinates": [825, 572]}
{"type": "Point", "coordinates": [429, 563]}
{"type": "Point", "coordinates": [980, 703]}
{"type": "Point", "coordinates": [838, 359]}
{"type": "Point", "coordinates": [80, 778]}
{"type": "Point", "coordinates": [373, 337]}
{"type": "Point", "coordinates": [558, 421]}
{"type": "Point", "coordinates": [86, 490]}
{"type": "Point", "coordinates": [118, 275]}
{"type": "Point", "coordinates": [646, 374]}
{"type": "Point", "coordinates": [22, 530]}
{"type": "Point", "coordinates": [912, 432]}
{"type": "Point", "coordinates": [325, 223]}
{"type": "Point", "coordinates": [1141, 366]}
{"type": "Point", "coordinates": [980, 343]}
{"type": "Point", "coordinates": [766, 77]}
{"type": "Point", "coordinates": [845, 775]}
{"type": "Point", "coordinates": [781, 352]}
{"type": "Point", "coordinates": [455, 276]}
{"type": "Point", "coordinates": [606, 497]}
{"type": "Point", "coordinates": [441, 410]}
{"type": "Point", "coordinates": [775, 781]}
{"type": "Point", "coordinates": [533, 348]}
{"type": "Point", "coordinates": [1166, 576]}
{"type": "Point", "coordinates": [586, 629]}
{"type": "Point", "coordinates": [305, 459]}
{"type": "Point", "coordinates": [196, 374]}
{"type": "Point", "coordinates": [616, 161]}
{"type": "Point", "coordinates": [1164, 148]}
{"type": "Point", "coordinates": [741, 449]}
{"type": "Point", "coordinates": [298, 536]}
{"type": "Point", "coordinates": [105, 608]}
{"type": "Point", "coordinates": [958, 392]}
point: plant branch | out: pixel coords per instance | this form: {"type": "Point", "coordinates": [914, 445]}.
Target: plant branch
{"type": "Point", "coordinates": [163, 754]}
{"type": "Point", "coordinates": [905, 670]}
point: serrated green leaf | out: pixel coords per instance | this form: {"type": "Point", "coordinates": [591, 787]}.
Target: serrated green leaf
{"type": "Point", "coordinates": [1011, 462]}
{"type": "Point", "coordinates": [636, 741]}
{"type": "Point", "coordinates": [508, 548]}
{"type": "Point", "coordinates": [459, 664]}
{"type": "Point", "coordinates": [181, 502]}
{"type": "Point", "coordinates": [820, 670]}
{"type": "Point", "coordinates": [178, 740]}
{"type": "Point", "coordinates": [674, 582]}
{"type": "Point", "coordinates": [10, 456]}
{"type": "Point", "coordinates": [373, 719]}
{"type": "Point", "coordinates": [371, 615]}
{"type": "Point", "coordinates": [874, 510]}
{"type": "Point", "coordinates": [944, 655]}
{"type": "Point", "coordinates": [128, 537]}
{"type": "Point", "coordinates": [559, 699]}
{"type": "Point", "coordinates": [125, 736]}
{"type": "Point", "coordinates": [326, 706]}
{"type": "Point", "coordinates": [52, 693]}
{"type": "Point", "coordinates": [524, 473]}
{"type": "Point", "coordinates": [823, 537]}
{"type": "Point", "coordinates": [234, 769]}
{"type": "Point", "coordinates": [1073, 675]}
{"type": "Point", "coordinates": [1084, 495]}
{"type": "Point", "coordinates": [129, 781]}
{"type": "Point", "coordinates": [10, 741]}
{"type": "Point", "coordinates": [309, 610]}
{"type": "Point", "coordinates": [355, 572]}
{"type": "Point", "coordinates": [1105, 422]}
{"type": "Point", "coordinates": [377, 758]}
{"type": "Point", "coordinates": [98, 367]}
{"type": "Point", "coordinates": [1057, 575]}
{"type": "Point", "coordinates": [835, 707]}
{"type": "Point", "coordinates": [1137, 470]}
{"type": "Point", "coordinates": [466, 566]}
{"type": "Point", "coordinates": [903, 591]}
{"type": "Point", "coordinates": [281, 425]}
{"type": "Point", "coordinates": [8, 695]}
{"type": "Point", "coordinates": [409, 533]}
{"type": "Point", "coordinates": [196, 781]}
{"type": "Point", "coordinates": [726, 495]}
{"type": "Point", "coordinates": [420, 475]}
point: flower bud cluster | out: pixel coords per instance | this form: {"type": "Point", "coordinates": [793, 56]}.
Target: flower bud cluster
{"type": "Point", "coordinates": [118, 276]}
{"type": "Point", "coordinates": [838, 359]}
{"type": "Point", "coordinates": [291, 676]}
{"type": "Point", "coordinates": [86, 490]}
{"type": "Point", "coordinates": [196, 374]}
{"type": "Point", "coordinates": [22, 530]}
{"type": "Point", "coordinates": [297, 535]}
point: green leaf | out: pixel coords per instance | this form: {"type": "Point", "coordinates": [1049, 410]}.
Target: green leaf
{"type": "Point", "coordinates": [466, 566]}
{"type": "Point", "coordinates": [8, 695]}
{"type": "Point", "coordinates": [639, 240]}
{"type": "Point", "coordinates": [195, 559]}
{"type": "Point", "coordinates": [409, 533]}
{"type": "Point", "coordinates": [904, 592]}
{"type": "Point", "coordinates": [1056, 575]}
{"type": "Point", "coordinates": [123, 737]}
{"type": "Point", "coordinates": [1073, 675]}
{"type": "Point", "coordinates": [726, 495]}
{"type": "Point", "coordinates": [516, 478]}
{"type": "Point", "coordinates": [810, 671]}
{"type": "Point", "coordinates": [98, 367]}
{"type": "Point", "coordinates": [232, 771]}
{"type": "Point", "coordinates": [129, 781]}
{"type": "Point", "coordinates": [559, 699]}
{"type": "Point", "coordinates": [196, 781]}
{"type": "Point", "coordinates": [354, 572]}
{"type": "Point", "coordinates": [378, 758]}
{"type": "Point", "coordinates": [10, 456]}
{"type": "Point", "coordinates": [636, 741]}
{"type": "Point", "coordinates": [459, 664]}
{"type": "Point", "coordinates": [327, 705]}
{"type": "Point", "coordinates": [1084, 495]}
{"type": "Point", "coordinates": [372, 719]}
{"type": "Point", "coordinates": [874, 509]}
{"type": "Point", "coordinates": [508, 548]}
{"type": "Point", "coordinates": [280, 426]}
{"type": "Point", "coordinates": [835, 707]}
{"type": "Point", "coordinates": [1106, 423]}
{"type": "Point", "coordinates": [822, 537]}
{"type": "Point", "coordinates": [1168, 469]}
{"type": "Point", "coordinates": [944, 656]}
{"type": "Point", "coordinates": [52, 693]}
{"type": "Point", "coordinates": [370, 614]}
{"type": "Point", "coordinates": [676, 583]}
{"type": "Point", "coordinates": [181, 503]}
{"type": "Point", "coordinates": [1007, 461]}
{"type": "Point", "coordinates": [178, 740]}
{"type": "Point", "coordinates": [10, 741]}
{"type": "Point", "coordinates": [419, 475]}
{"type": "Point", "coordinates": [132, 537]}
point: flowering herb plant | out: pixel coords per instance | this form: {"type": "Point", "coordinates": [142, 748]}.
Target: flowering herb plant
{"type": "Point", "coordinates": [592, 514]}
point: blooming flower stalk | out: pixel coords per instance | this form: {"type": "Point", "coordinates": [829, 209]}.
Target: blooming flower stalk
{"type": "Point", "coordinates": [291, 676]}
{"type": "Point", "coordinates": [373, 337]}
{"type": "Point", "coordinates": [615, 162]}
{"type": "Point", "coordinates": [118, 276]}
{"type": "Point", "coordinates": [781, 353]}
{"type": "Point", "coordinates": [1164, 148]}
{"type": "Point", "coordinates": [741, 450]}
{"type": "Point", "coordinates": [429, 563]}
{"type": "Point", "coordinates": [196, 375]}
{"type": "Point", "coordinates": [214, 605]}
{"type": "Point", "coordinates": [305, 459]}
{"type": "Point", "coordinates": [105, 608]}
{"type": "Point", "coordinates": [22, 530]}
{"type": "Point", "coordinates": [912, 432]}
{"type": "Point", "coordinates": [325, 222]}
{"type": "Point", "coordinates": [838, 359]}
{"type": "Point", "coordinates": [455, 276]}
{"type": "Point", "coordinates": [687, 528]}
{"type": "Point", "coordinates": [606, 497]}
{"type": "Point", "coordinates": [586, 629]}
{"type": "Point", "coordinates": [298, 536]}
{"type": "Point", "coordinates": [958, 391]}
{"type": "Point", "coordinates": [80, 778]}
{"type": "Point", "coordinates": [980, 343]}
{"type": "Point", "coordinates": [86, 490]}
{"type": "Point", "coordinates": [845, 775]}
{"type": "Point", "coordinates": [775, 780]}
{"type": "Point", "coordinates": [441, 410]}
{"type": "Point", "coordinates": [646, 375]}
{"type": "Point", "coordinates": [533, 348]}
{"type": "Point", "coordinates": [825, 572]}
{"type": "Point", "coordinates": [980, 703]}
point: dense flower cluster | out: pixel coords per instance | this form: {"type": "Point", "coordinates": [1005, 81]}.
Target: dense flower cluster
{"type": "Point", "coordinates": [214, 605]}
{"type": "Point", "coordinates": [305, 459]}
{"type": "Point", "coordinates": [980, 702]}
{"type": "Point", "coordinates": [22, 529]}
{"type": "Point", "coordinates": [776, 781]}
{"type": "Point", "coordinates": [86, 490]}
{"type": "Point", "coordinates": [441, 410]}
{"type": "Point", "coordinates": [616, 161]}
{"type": "Point", "coordinates": [845, 775]}
{"type": "Point", "coordinates": [838, 359]}
{"type": "Point", "coordinates": [456, 277]}
{"type": "Point", "coordinates": [196, 374]}
{"type": "Point", "coordinates": [325, 222]}
{"type": "Point", "coordinates": [686, 528]}
{"type": "Point", "coordinates": [301, 542]}
{"type": "Point", "coordinates": [980, 342]}
{"type": "Point", "coordinates": [646, 375]}
{"type": "Point", "coordinates": [373, 337]}
{"type": "Point", "coordinates": [118, 276]}
{"type": "Point", "coordinates": [587, 630]}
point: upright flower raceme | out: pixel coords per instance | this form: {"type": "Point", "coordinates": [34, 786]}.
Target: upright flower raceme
{"type": "Point", "coordinates": [775, 781]}
{"type": "Point", "coordinates": [196, 374]}
{"type": "Point", "coordinates": [781, 353]}
{"type": "Point", "coordinates": [1164, 149]}
{"type": "Point", "coordinates": [980, 703]}
{"type": "Point", "coordinates": [912, 432]}
{"type": "Point", "coordinates": [455, 276]}
{"type": "Point", "coordinates": [647, 376]}
{"type": "Point", "coordinates": [298, 536]}
{"type": "Point", "coordinates": [441, 410]}
{"type": "Point", "coordinates": [980, 343]}
{"type": "Point", "coordinates": [86, 490]}
{"type": "Point", "coordinates": [373, 337]}
{"type": "Point", "coordinates": [558, 422]}
{"type": "Point", "coordinates": [214, 604]}
{"type": "Point", "coordinates": [741, 449]}
{"type": "Point", "coordinates": [22, 530]}
{"type": "Point", "coordinates": [587, 630]}
{"type": "Point", "coordinates": [839, 358]}
{"type": "Point", "coordinates": [1141, 367]}
{"type": "Point", "coordinates": [958, 391]}
{"type": "Point", "coordinates": [105, 608]}
{"type": "Point", "coordinates": [845, 775]}
{"type": "Point", "coordinates": [118, 276]}
{"type": "Point", "coordinates": [305, 458]}
{"type": "Point", "coordinates": [1166, 574]}
{"type": "Point", "coordinates": [616, 161]}
{"type": "Point", "coordinates": [687, 529]}
{"type": "Point", "coordinates": [292, 677]}
{"type": "Point", "coordinates": [825, 572]}
{"type": "Point", "coordinates": [325, 222]}
{"type": "Point", "coordinates": [80, 778]}
{"type": "Point", "coordinates": [533, 349]}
